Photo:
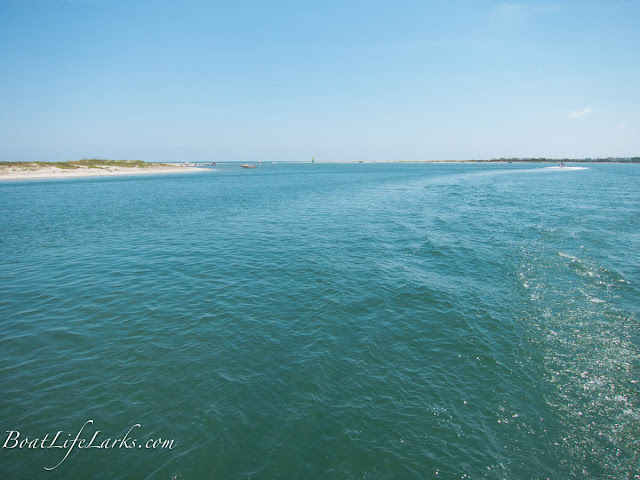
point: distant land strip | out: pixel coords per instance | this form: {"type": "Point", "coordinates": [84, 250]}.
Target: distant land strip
{"type": "Point", "coordinates": [536, 160]}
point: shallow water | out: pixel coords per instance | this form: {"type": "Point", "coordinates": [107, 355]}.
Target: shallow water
{"type": "Point", "coordinates": [325, 321]}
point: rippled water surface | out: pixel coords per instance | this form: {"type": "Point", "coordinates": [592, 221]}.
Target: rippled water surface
{"type": "Point", "coordinates": [324, 322]}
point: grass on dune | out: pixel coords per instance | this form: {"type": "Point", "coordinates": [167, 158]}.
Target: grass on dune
{"type": "Point", "coordinates": [99, 163]}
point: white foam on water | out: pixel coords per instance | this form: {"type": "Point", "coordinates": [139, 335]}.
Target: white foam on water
{"type": "Point", "coordinates": [570, 257]}
{"type": "Point", "coordinates": [566, 168]}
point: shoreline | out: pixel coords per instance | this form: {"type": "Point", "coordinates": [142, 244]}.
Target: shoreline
{"type": "Point", "coordinates": [54, 172]}
{"type": "Point", "coordinates": [409, 162]}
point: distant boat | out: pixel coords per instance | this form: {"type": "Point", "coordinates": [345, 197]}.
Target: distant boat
{"type": "Point", "coordinates": [562, 165]}
{"type": "Point", "coordinates": [246, 165]}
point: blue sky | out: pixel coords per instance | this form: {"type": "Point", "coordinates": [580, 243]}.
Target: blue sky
{"type": "Point", "coordinates": [167, 80]}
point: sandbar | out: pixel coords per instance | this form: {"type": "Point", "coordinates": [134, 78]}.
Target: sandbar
{"type": "Point", "coordinates": [26, 170]}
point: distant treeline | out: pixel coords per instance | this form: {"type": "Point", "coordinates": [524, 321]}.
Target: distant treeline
{"type": "Point", "coordinates": [589, 160]}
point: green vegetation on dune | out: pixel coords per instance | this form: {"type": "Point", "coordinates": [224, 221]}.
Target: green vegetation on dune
{"type": "Point", "coordinates": [98, 163]}
{"type": "Point", "coordinates": [64, 165]}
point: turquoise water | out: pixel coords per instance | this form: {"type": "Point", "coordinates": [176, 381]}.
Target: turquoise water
{"type": "Point", "coordinates": [325, 322]}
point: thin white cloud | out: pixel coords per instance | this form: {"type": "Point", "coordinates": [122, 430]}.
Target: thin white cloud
{"type": "Point", "coordinates": [445, 43]}
{"type": "Point", "coordinates": [621, 125]}
{"type": "Point", "coordinates": [511, 8]}
{"type": "Point", "coordinates": [581, 113]}
{"type": "Point", "coordinates": [519, 12]}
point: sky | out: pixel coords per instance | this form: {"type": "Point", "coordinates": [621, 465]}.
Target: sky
{"type": "Point", "coordinates": [347, 80]}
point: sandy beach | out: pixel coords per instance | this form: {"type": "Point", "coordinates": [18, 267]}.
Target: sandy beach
{"type": "Point", "coordinates": [25, 173]}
